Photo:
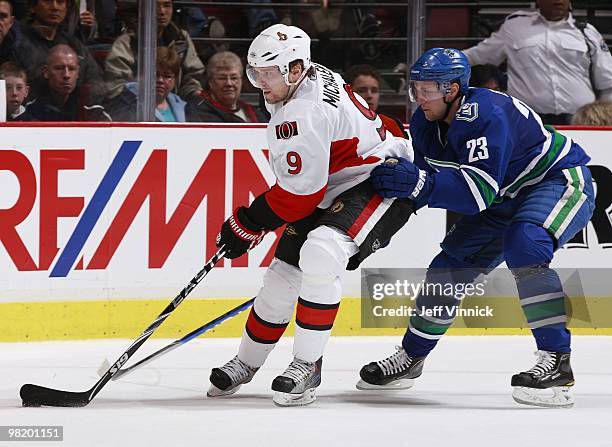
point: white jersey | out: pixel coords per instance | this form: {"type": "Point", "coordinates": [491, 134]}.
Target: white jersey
{"type": "Point", "coordinates": [325, 140]}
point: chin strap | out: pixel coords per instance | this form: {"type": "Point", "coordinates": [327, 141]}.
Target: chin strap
{"type": "Point", "coordinates": [294, 86]}
{"type": "Point", "coordinates": [449, 105]}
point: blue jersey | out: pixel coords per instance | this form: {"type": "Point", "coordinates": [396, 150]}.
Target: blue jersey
{"type": "Point", "coordinates": [494, 148]}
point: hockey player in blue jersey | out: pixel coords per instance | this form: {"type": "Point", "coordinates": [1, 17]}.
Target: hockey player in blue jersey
{"type": "Point", "coordinates": [524, 191]}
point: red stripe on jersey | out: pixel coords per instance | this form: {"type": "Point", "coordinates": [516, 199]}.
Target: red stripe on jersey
{"type": "Point", "coordinates": [315, 316]}
{"type": "Point", "coordinates": [291, 207]}
{"type": "Point", "coordinates": [343, 154]}
{"type": "Point", "coordinates": [263, 332]}
{"type": "Point", "coordinates": [393, 125]}
{"type": "Point", "coordinates": [365, 215]}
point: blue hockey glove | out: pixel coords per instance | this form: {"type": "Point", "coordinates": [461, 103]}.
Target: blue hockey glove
{"type": "Point", "coordinates": [397, 177]}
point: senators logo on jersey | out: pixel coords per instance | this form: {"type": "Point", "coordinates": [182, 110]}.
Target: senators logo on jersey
{"type": "Point", "coordinates": [286, 130]}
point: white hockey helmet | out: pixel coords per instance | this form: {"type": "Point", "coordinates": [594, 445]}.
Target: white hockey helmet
{"type": "Point", "coordinates": [278, 46]}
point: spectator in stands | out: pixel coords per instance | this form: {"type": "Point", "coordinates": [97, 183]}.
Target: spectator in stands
{"type": "Point", "coordinates": [487, 76]}
{"type": "Point", "coordinates": [80, 24]}
{"type": "Point", "coordinates": [365, 81]}
{"type": "Point", "coordinates": [17, 91]}
{"type": "Point", "coordinates": [555, 63]}
{"type": "Point", "coordinates": [169, 106]}
{"type": "Point", "coordinates": [221, 101]}
{"type": "Point", "coordinates": [598, 113]}
{"type": "Point", "coordinates": [42, 32]}
{"type": "Point", "coordinates": [61, 100]}
{"type": "Point", "coordinates": [121, 62]}
{"type": "Point", "coordinates": [93, 23]}
{"type": "Point", "coordinates": [10, 34]}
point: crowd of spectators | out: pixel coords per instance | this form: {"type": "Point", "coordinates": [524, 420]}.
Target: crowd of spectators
{"type": "Point", "coordinates": [53, 70]}
{"type": "Point", "coordinates": [77, 59]}
{"type": "Point", "coordinates": [73, 60]}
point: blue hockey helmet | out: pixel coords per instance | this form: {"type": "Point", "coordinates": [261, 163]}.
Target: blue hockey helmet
{"type": "Point", "coordinates": [443, 65]}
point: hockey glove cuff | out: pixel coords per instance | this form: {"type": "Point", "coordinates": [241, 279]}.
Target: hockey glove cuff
{"type": "Point", "coordinates": [239, 234]}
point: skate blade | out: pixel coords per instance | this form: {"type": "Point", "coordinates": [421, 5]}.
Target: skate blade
{"type": "Point", "coordinates": [294, 400]}
{"type": "Point", "coordinates": [213, 391]}
{"type": "Point", "coordinates": [561, 397]}
{"type": "Point", "coordinates": [396, 385]}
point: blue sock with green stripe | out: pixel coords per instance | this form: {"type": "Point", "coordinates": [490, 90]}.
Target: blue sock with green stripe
{"type": "Point", "coordinates": [436, 315]}
{"type": "Point", "coordinates": [528, 249]}
{"type": "Point", "coordinates": [543, 302]}
{"type": "Point", "coordinates": [436, 309]}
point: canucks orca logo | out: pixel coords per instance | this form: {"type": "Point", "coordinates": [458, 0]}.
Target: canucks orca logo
{"type": "Point", "coordinates": [468, 112]}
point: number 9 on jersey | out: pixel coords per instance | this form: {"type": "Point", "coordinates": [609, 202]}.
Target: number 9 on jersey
{"type": "Point", "coordinates": [295, 162]}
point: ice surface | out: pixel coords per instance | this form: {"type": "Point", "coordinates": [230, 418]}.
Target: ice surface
{"type": "Point", "coordinates": [462, 399]}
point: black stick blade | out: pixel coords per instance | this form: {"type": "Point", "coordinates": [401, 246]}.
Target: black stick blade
{"type": "Point", "coordinates": [36, 396]}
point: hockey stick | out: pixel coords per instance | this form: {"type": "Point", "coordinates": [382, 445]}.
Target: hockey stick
{"type": "Point", "coordinates": [35, 395]}
{"type": "Point", "coordinates": [193, 334]}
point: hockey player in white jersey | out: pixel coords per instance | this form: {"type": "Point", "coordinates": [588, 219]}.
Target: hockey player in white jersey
{"type": "Point", "coordinates": [324, 141]}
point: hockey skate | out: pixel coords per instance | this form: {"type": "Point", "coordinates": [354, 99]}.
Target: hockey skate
{"type": "Point", "coordinates": [547, 384]}
{"type": "Point", "coordinates": [396, 372]}
{"type": "Point", "coordinates": [228, 379]}
{"type": "Point", "coordinates": [298, 384]}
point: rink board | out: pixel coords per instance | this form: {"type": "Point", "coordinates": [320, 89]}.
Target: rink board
{"type": "Point", "coordinates": [82, 320]}
{"type": "Point", "coordinates": [99, 223]}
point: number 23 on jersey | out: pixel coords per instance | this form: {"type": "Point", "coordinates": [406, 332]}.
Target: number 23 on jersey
{"type": "Point", "coordinates": [478, 149]}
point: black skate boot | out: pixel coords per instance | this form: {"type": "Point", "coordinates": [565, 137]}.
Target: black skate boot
{"type": "Point", "coordinates": [228, 379]}
{"type": "Point", "coordinates": [552, 372]}
{"type": "Point", "coordinates": [298, 384]}
{"type": "Point", "coordinates": [396, 372]}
